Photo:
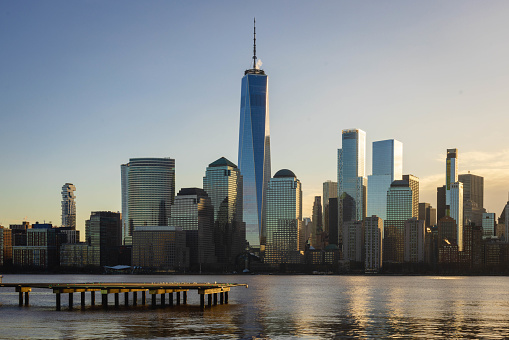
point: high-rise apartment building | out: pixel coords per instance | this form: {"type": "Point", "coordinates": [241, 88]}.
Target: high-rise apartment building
{"type": "Point", "coordinates": [387, 167]}
{"type": "Point", "coordinates": [413, 183]}
{"type": "Point", "coordinates": [399, 210]}
{"type": "Point", "coordinates": [456, 210]}
{"type": "Point", "coordinates": [373, 232]}
{"type": "Point", "coordinates": [104, 235]}
{"type": "Point", "coordinates": [284, 219]}
{"type": "Point", "coordinates": [473, 198]}
{"type": "Point", "coordinates": [317, 232]}
{"type": "Point", "coordinates": [193, 211]}
{"type": "Point", "coordinates": [68, 206]}
{"type": "Point", "coordinates": [254, 149]}
{"type": "Point", "coordinates": [415, 234]}
{"type": "Point", "coordinates": [5, 246]}
{"type": "Point", "coordinates": [351, 177]}
{"type": "Point", "coordinates": [353, 241]}
{"type": "Point", "coordinates": [330, 190]}
{"type": "Point", "coordinates": [148, 190]}
{"type": "Point", "coordinates": [223, 185]}
{"type": "Point", "coordinates": [451, 176]}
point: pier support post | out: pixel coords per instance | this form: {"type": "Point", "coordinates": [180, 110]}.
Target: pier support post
{"type": "Point", "coordinates": [215, 299]}
{"type": "Point", "coordinates": [170, 299]}
{"type": "Point", "coordinates": [92, 298]}
{"type": "Point", "coordinates": [105, 300]}
{"type": "Point", "coordinates": [26, 298]}
{"type": "Point", "coordinates": [144, 297]}
{"type": "Point", "coordinates": [21, 299]}
{"type": "Point", "coordinates": [154, 303]}
{"type": "Point", "coordinates": [202, 301]}
{"type": "Point", "coordinates": [226, 298]}
{"type": "Point", "coordinates": [126, 299]}
{"type": "Point", "coordinates": [71, 302]}
{"type": "Point", "coordinates": [210, 299]}
{"type": "Point", "coordinates": [57, 295]}
{"type": "Point", "coordinates": [163, 299]}
{"type": "Point", "coordinates": [221, 298]}
{"type": "Point", "coordinates": [116, 300]}
{"type": "Point", "coordinates": [135, 298]}
{"type": "Point", "coordinates": [178, 298]}
{"type": "Point", "coordinates": [82, 300]}
{"type": "Point", "coordinates": [184, 298]}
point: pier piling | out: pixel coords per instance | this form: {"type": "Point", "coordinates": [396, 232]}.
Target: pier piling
{"type": "Point", "coordinates": [83, 300]}
{"type": "Point", "coordinates": [58, 300]}
{"type": "Point", "coordinates": [71, 302]}
{"type": "Point", "coordinates": [126, 299]}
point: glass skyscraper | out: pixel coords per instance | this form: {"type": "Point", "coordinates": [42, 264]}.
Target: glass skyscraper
{"type": "Point", "coordinates": [387, 167]}
{"type": "Point", "coordinates": [254, 150]}
{"type": "Point", "coordinates": [148, 190]}
{"type": "Point", "coordinates": [351, 176]}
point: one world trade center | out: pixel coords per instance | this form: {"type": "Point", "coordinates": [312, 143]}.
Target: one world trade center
{"type": "Point", "coordinates": [254, 149]}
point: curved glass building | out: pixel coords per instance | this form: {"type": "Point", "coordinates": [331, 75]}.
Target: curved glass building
{"type": "Point", "coordinates": [254, 150]}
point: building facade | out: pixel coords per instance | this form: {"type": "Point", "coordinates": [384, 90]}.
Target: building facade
{"type": "Point", "coordinates": [68, 206]}
{"type": "Point", "coordinates": [415, 240]}
{"type": "Point", "coordinates": [473, 198]}
{"type": "Point", "coordinates": [373, 231]}
{"type": "Point", "coordinates": [284, 219]}
{"type": "Point", "coordinates": [456, 210]}
{"type": "Point", "coordinates": [451, 176]}
{"type": "Point", "coordinates": [330, 190]}
{"type": "Point", "coordinates": [104, 235]}
{"type": "Point", "coordinates": [148, 190]}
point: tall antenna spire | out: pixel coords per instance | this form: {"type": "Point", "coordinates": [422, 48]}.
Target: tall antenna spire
{"type": "Point", "coordinates": [254, 43]}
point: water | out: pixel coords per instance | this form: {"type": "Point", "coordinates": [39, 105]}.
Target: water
{"type": "Point", "coordinates": [275, 307]}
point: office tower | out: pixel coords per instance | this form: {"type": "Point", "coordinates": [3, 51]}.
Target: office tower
{"type": "Point", "coordinates": [330, 190]}
{"type": "Point", "coordinates": [160, 248]}
{"type": "Point", "coordinates": [399, 210]}
{"type": "Point", "coordinates": [284, 218]}
{"type": "Point", "coordinates": [473, 198]}
{"type": "Point", "coordinates": [307, 226]}
{"type": "Point", "coordinates": [413, 182]}
{"type": "Point", "coordinates": [441, 202]}
{"type": "Point", "coordinates": [415, 237]}
{"type": "Point", "coordinates": [427, 214]}
{"type": "Point", "coordinates": [254, 149]}
{"type": "Point", "coordinates": [333, 221]}
{"type": "Point", "coordinates": [373, 230]}
{"type": "Point", "coordinates": [193, 211]}
{"type": "Point", "coordinates": [148, 190]}
{"type": "Point", "coordinates": [104, 235]}
{"type": "Point", "coordinates": [351, 177]}
{"type": "Point", "coordinates": [387, 167]}
{"type": "Point", "coordinates": [68, 206]}
{"type": "Point", "coordinates": [447, 231]}
{"type": "Point", "coordinates": [488, 224]}
{"type": "Point", "coordinates": [223, 185]}
{"type": "Point", "coordinates": [317, 237]}
{"type": "Point", "coordinates": [456, 210]}
{"type": "Point", "coordinates": [451, 176]}
{"type": "Point", "coordinates": [353, 241]}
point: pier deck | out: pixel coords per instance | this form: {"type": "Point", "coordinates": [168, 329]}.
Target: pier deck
{"type": "Point", "coordinates": [211, 290]}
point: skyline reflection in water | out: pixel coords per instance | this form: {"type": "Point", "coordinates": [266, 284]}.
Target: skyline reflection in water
{"type": "Point", "coordinates": [274, 306]}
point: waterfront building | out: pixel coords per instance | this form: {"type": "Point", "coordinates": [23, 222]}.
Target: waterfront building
{"type": "Point", "coordinates": [451, 176]}
{"type": "Point", "coordinates": [254, 149]}
{"type": "Point", "coordinates": [284, 219]}
{"type": "Point", "coordinates": [428, 214]}
{"type": "Point", "coordinates": [148, 190]}
{"type": "Point", "coordinates": [488, 224]}
{"type": "Point", "coordinates": [415, 240]}
{"type": "Point", "coordinates": [399, 210]}
{"type": "Point", "coordinates": [351, 177]}
{"type": "Point", "coordinates": [413, 183]}
{"type": "Point", "coordinates": [103, 233]}
{"type": "Point", "coordinates": [330, 190]}
{"type": "Point", "coordinates": [456, 210]}
{"type": "Point", "coordinates": [387, 167]}
{"type": "Point", "coordinates": [194, 213]}
{"type": "Point", "coordinates": [41, 248]}
{"type": "Point", "coordinates": [353, 241]}
{"type": "Point", "coordinates": [373, 230]}
{"type": "Point", "coordinates": [473, 198]}
{"type": "Point", "coordinates": [71, 235]}
{"type": "Point", "coordinates": [333, 221]}
{"type": "Point", "coordinates": [5, 246]}
{"type": "Point", "coordinates": [223, 185]}
{"type": "Point", "coordinates": [77, 255]}
{"type": "Point", "coordinates": [19, 233]}
{"type": "Point", "coordinates": [316, 236]}
{"type": "Point", "coordinates": [68, 206]}
{"type": "Point", "coordinates": [160, 248]}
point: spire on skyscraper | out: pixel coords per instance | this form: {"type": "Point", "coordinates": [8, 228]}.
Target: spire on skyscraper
{"type": "Point", "coordinates": [254, 43]}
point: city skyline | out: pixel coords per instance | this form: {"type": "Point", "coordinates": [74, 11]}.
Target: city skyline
{"type": "Point", "coordinates": [104, 80]}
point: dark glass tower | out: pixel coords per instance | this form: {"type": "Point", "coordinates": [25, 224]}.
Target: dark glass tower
{"type": "Point", "coordinates": [254, 149]}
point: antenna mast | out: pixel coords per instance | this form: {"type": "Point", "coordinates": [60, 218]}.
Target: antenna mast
{"type": "Point", "coordinates": [254, 43]}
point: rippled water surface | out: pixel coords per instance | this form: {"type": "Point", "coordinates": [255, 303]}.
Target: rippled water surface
{"type": "Point", "coordinates": [274, 307]}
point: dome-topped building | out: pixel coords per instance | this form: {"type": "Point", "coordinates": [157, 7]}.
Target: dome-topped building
{"type": "Point", "coordinates": [284, 173]}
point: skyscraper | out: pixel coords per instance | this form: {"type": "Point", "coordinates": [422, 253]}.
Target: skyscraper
{"type": "Point", "coordinates": [473, 198]}
{"type": "Point", "coordinates": [254, 149]}
{"type": "Point", "coordinates": [284, 219]}
{"type": "Point", "coordinates": [451, 176]}
{"type": "Point", "coordinates": [103, 234]}
{"type": "Point", "coordinates": [68, 206]}
{"type": "Point", "coordinates": [413, 183]}
{"type": "Point", "coordinates": [223, 184]}
{"type": "Point", "coordinates": [387, 167]}
{"type": "Point", "coordinates": [456, 210]}
{"type": "Point", "coordinates": [330, 190]}
{"type": "Point", "coordinates": [317, 231]}
{"type": "Point", "coordinates": [373, 229]}
{"type": "Point", "coordinates": [351, 177]}
{"type": "Point", "coordinates": [148, 190]}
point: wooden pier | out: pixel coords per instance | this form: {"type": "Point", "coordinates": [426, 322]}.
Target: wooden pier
{"type": "Point", "coordinates": [177, 292]}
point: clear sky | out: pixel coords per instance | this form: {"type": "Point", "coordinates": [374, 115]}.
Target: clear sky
{"type": "Point", "coordinates": [86, 85]}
